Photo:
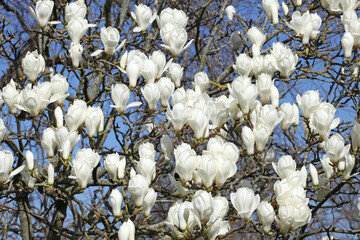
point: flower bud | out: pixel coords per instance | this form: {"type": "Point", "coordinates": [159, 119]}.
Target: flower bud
{"type": "Point", "coordinates": [76, 114]}
{"type": "Point", "coordinates": [50, 171]}
{"type": "Point", "coordinates": [230, 12]}
{"type": "Point", "coordinates": [11, 96]}
{"type": "Point", "coordinates": [314, 175]}
{"type": "Point", "coordinates": [166, 87]}
{"type": "Point", "coordinates": [29, 160]}
{"type": "Point", "coordinates": [116, 200]}
{"type": "Point", "coordinates": [115, 166]}
{"type": "Point", "coordinates": [75, 52]}
{"type": "Point", "coordinates": [266, 215]}
{"type": "Point", "coordinates": [149, 201]}
{"type": "Point", "coordinates": [127, 231]}
{"type": "Point", "coordinates": [347, 43]}
{"type": "Point", "coordinates": [248, 140]}
{"type": "Point", "coordinates": [48, 141]}
{"type": "Point", "coordinates": [59, 117]}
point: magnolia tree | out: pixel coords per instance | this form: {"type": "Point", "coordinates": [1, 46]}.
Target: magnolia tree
{"type": "Point", "coordinates": [179, 119]}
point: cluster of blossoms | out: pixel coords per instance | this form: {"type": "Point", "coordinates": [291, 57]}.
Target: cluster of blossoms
{"type": "Point", "coordinates": [172, 23]}
{"type": "Point", "coordinates": [215, 165]}
{"type": "Point", "coordinates": [142, 195]}
{"type": "Point", "coordinates": [151, 69]}
{"type": "Point", "coordinates": [195, 107]}
{"type": "Point", "coordinates": [281, 58]}
{"type": "Point", "coordinates": [35, 99]}
{"type": "Point", "coordinates": [65, 138]}
{"type": "Point", "coordinates": [290, 194]}
{"type": "Point", "coordinates": [204, 214]}
{"type": "Point", "coordinates": [77, 25]}
{"type": "Point", "coordinates": [306, 25]}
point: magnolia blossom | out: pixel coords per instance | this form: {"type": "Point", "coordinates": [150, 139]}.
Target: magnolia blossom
{"type": "Point", "coordinates": [50, 171]}
{"type": "Point", "coordinates": [65, 141]}
{"type": "Point", "coordinates": [182, 218]}
{"type": "Point", "coordinates": [151, 94]}
{"type": "Point", "coordinates": [248, 139]}
{"type": "Point", "coordinates": [306, 26]}
{"type": "Point", "coordinates": [175, 72]}
{"type": "Point", "coordinates": [94, 120]}
{"type": "Point", "coordinates": [11, 96]}
{"type": "Point", "coordinates": [271, 7]}
{"type": "Point", "coordinates": [116, 200]}
{"type": "Point", "coordinates": [42, 12]}
{"type": "Point", "coordinates": [133, 72]}
{"type": "Point", "coordinates": [244, 93]}
{"type": "Point", "coordinates": [33, 100]}
{"type": "Point", "coordinates": [127, 231]}
{"type": "Point", "coordinates": [110, 38]}
{"type": "Point", "coordinates": [75, 52]}
{"type": "Point", "coordinates": [185, 161]}
{"type": "Point", "coordinates": [347, 43]}
{"type": "Point", "coordinates": [76, 29]}
{"type": "Point", "coordinates": [314, 174]}
{"type": "Point", "coordinates": [322, 120]}
{"type": "Point", "coordinates": [335, 148]}
{"type": "Point", "coordinates": [264, 84]}
{"type": "Point", "coordinates": [149, 201]}
{"type": "Point", "coordinates": [2, 129]}
{"type": "Point", "coordinates": [6, 163]}
{"type": "Point", "coordinates": [284, 58]}
{"type": "Point", "coordinates": [120, 95]}
{"type": "Point", "coordinates": [166, 87]}
{"type": "Point", "coordinates": [309, 102]}
{"type": "Point", "coordinates": [174, 38]}
{"type": "Point", "coordinates": [177, 115]}
{"type": "Point", "coordinates": [173, 16]}
{"type": "Point", "coordinates": [83, 164]}
{"type": "Point", "coordinates": [76, 114]}
{"type": "Point", "coordinates": [29, 156]}
{"type": "Point", "coordinates": [245, 202]}
{"type": "Point", "coordinates": [59, 88]}
{"type": "Point", "coordinates": [266, 215]}
{"type": "Point", "coordinates": [48, 141]}
{"type": "Point", "coordinates": [33, 63]}
{"type": "Point", "coordinates": [75, 9]}
{"type": "Point", "coordinates": [289, 114]}
{"type": "Point", "coordinates": [201, 82]}
{"type": "Point", "coordinates": [143, 16]}
{"type": "Point", "coordinates": [285, 167]}
{"type": "Point", "coordinates": [115, 166]}
{"type": "Point", "coordinates": [243, 65]}
{"type": "Point", "coordinates": [138, 188]}
{"type": "Point", "coordinates": [199, 122]}
{"type": "Point", "coordinates": [257, 38]}
{"type": "Point", "coordinates": [230, 12]}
